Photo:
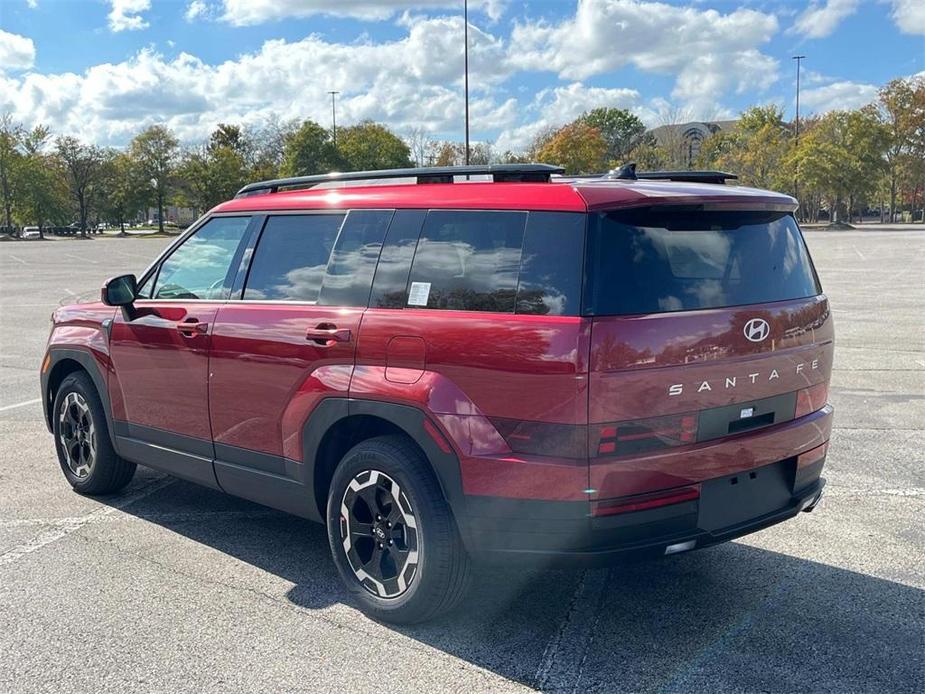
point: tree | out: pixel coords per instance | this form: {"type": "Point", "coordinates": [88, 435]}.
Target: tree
{"type": "Point", "coordinates": [210, 175]}
{"type": "Point", "coordinates": [756, 149]}
{"type": "Point", "coordinates": [126, 189]}
{"type": "Point", "coordinates": [10, 138]}
{"type": "Point", "coordinates": [308, 150]}
{"type": "Point", "coordinates": [368, 146]}
{"type": "Point", "coordinates": [619, 128]}
{"type": "Point", "coordinates": [83, 165]}
{"type": "Point", "coordinates": [578, 147]}
{"type": "Point", "coordinates": [154, 151]}
{"type": "Point", "coordinates": [902, 112]}
{"type": "Point", "coordinates": [41, 189]}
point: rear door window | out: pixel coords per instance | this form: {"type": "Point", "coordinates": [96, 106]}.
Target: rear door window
{"type": "Point", "coordinates": [468, 261]}
{"type": "Point", "coordinates": [349, 275]}
{"type": "Point", "coordinates": [291, 257]}
{"type": "Point", "coordinates": [550, 269]}
{"type": "Point", "coordinates": [657, 261]}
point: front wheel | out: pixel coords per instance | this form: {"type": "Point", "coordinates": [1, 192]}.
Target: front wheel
{"type": "Point", "coordinates": [85, 452]}
{"type": "Point", "coordinates": [392, 534]}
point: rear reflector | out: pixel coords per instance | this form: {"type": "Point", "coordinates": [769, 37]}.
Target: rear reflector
{"type": "Point", "coordinates": [680, 547]}
{"type": "Point", "coordinates": [812, 456]}
{"type": "Point", "coordinates": [643, 435]}
{"type": "Point", "coordinates": [811, 399]}
{"type": "Point", "coordinates": [643, 502]}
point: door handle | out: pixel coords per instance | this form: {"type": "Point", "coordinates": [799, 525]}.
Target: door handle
{"type": "Point", "coordinates": [326, 334]}
{"type": "Point", "coordinates": [191, 327]}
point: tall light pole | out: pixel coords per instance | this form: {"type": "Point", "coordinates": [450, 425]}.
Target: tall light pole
{"type": "Point", "coordinates": [334, 118]}
{"type": "Point", "coordinates": [798, 58]}
{"type": "Point", "coordinates": [466, 54]}
{"type": "Point", "coordinates": [796, 178]}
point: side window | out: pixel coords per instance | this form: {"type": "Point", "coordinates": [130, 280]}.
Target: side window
{"type": "Point", "coordinates": [468, 261]}
{"type": "Point", "coordinates": [203, 267]}
{"type": "Point", "coordinates": [390, 288]}
{"type": "Point", "coordinates": [291, 257]}
{"type": "Point", "coordinates": [550, 272]}
{"type": "Point", "coordinates": [350, 270]}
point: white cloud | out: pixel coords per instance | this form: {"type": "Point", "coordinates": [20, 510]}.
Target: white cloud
{"type": "Point", "coordinates": [909, 16]}
{"type": "Point", "coordinates": [16, 52]}
{"type": "Point", "coordinates": [197, 9]}
{"type": "Point", "coordinates": [248, 12]}
{"type": "Point", "coordinates": [698, 46]}
{"type": "Point", "coordinates": [396, 82]}
{"type": "Point", "coordinates": [125, 15]}
{"type": "Point", "coordinates": [838, 96]}
{"type": "Point", "coordinates": [820, 20]}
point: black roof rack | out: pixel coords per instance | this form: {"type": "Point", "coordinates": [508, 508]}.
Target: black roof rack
{"type": "Point", "coordinates": [532, 173]}
{"type": "Point", "coordinates": [628, 172]}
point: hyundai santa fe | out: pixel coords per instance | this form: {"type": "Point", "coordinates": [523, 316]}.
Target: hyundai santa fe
{"type": "Point", "coordinates": [451, 366]}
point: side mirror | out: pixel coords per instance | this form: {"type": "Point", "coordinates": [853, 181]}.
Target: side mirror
{"type": "Point", "coordinates": [119, 291]}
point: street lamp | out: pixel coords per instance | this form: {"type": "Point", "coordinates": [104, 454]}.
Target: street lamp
{"type": "Point", "coordinates": [334, 118]}
{"type": "Point", "coordinates": [796, 178]}
{"type": "Point", "coordinates": [466, 55]}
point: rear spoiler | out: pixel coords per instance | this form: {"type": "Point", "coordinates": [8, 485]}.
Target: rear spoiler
{"type": "Point", "coordinates": [628, 172]}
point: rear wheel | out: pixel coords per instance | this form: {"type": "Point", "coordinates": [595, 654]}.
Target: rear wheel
{"type": "Point", "coordinates": [392, 533]}
{"type": "Point", "coordinates": [82, 441]}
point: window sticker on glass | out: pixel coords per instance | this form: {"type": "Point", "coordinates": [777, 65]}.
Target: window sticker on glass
{"type": "Point", "coordinates": [419, 294]}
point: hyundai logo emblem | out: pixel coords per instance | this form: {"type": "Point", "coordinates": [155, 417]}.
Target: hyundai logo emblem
{"type": "Point", "coordinates": [756, 329]}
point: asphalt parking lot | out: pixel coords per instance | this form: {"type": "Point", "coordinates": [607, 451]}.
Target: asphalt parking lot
{"type": "Point", "coordinates": [172, 587]}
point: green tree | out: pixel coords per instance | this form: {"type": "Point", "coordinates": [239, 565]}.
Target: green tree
{"type": "Point", "coordinates": [83, 165]}
{"type": "Point", "coordinates": [901, 108]}
{"type": "Point", "coordinates": [757, 149]}
{"type": "Point", "coordinates": [125, 189]}
{"type": "Point", "coordinates": [619, 128]}
{"type": "Point", "coordinates": [308, 150]}
{"type": "Point", "coordinates": [154, 151]}
{"type": "Point", "coordinates": [368, 146]}
{"type": "Point", "coordinates": [578, 147]}
{"type": "Point", "coordinates": [10, 139]}
{"type": "Point", "coordinates": [210, 175]}
{"type": "Point", "coordinates": [42, 192]}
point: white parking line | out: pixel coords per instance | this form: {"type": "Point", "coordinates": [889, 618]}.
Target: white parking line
{"type": "Point", "coordinates": [79, 257]}
{"type": "Point", "coordinates": [18, 259]}
{"type": "Point", "coordinates": [20, 404]}
{"type": "Point", "coordinates": [860, 255]}
{"type": "Point", "coordinates": [74, 524]}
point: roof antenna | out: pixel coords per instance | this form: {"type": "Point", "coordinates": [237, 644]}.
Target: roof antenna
{"type": "Point", "coordinates": [627, 172]}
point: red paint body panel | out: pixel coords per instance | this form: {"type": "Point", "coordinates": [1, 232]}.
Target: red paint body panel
{"type": "Point", "coordinates": [267, 377]}
{"type": "Point", "coordinates": [163, 373]}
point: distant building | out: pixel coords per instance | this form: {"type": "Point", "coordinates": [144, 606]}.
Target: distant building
{"type": "Point", "coordinates": [685, 139]}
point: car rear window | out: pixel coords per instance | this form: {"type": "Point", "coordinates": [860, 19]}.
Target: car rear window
{"type": "Point", "coordinates": [657, 261]}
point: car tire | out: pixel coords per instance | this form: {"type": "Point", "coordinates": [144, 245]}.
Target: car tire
{"type": "Point", "coordinates": [417, 568]}
{"type": "Point", "coordinates": [82, 441]}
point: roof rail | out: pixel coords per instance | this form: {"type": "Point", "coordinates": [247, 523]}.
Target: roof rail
{"type": "Point", "coordinates": [533, 173]}
{"type": "Point", "coordinates": [628, 172]}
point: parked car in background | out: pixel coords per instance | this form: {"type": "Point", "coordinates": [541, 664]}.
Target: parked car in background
{"type": "Point", "coordinates": [30, 233]}
{"type": "Point", "coordinates": [529, 370]}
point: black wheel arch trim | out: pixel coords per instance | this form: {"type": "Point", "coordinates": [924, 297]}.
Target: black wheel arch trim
{"type": "Point", "coordinates": [86, 360]}
{"type": "Point", "coordinates": [407, 418]}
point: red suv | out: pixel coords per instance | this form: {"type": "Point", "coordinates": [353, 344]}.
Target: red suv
{"type": "Point", "coordinates": [524, 367]}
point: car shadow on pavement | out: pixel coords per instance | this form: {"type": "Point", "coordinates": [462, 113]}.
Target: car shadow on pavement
{"type": "Point", "coordinates": [728, 618]}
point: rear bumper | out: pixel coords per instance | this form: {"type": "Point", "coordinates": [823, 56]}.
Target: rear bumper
{"type": "Point", "coordinates": [596, 542]}
{"type": "Point", "coordinates": [552, 532]}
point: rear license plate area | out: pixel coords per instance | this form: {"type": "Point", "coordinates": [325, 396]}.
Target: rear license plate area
{"type": "Point", "coordinates": [734, 499]}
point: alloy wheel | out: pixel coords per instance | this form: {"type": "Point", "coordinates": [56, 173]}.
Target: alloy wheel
{"type": "Point", "coordinates": [379, 533]}
{"type": "Point", "coordinates": [77, 434]}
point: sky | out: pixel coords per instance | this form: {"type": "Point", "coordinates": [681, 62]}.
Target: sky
{"type": "Point", "coordinates": [104, 69]}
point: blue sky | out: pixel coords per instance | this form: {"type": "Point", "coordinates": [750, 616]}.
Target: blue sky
{"type": "Point", "coordinates": [103, 69]}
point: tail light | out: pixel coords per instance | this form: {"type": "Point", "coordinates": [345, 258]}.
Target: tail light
{"type": "Point", "coordinates": [643, 502]}
{"type": "Point", "coordinates": [643, 435]}
{"type": "Point", "coordinates": [811, 399]}
{"type": "Point", "coordinates": [543, 438]}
